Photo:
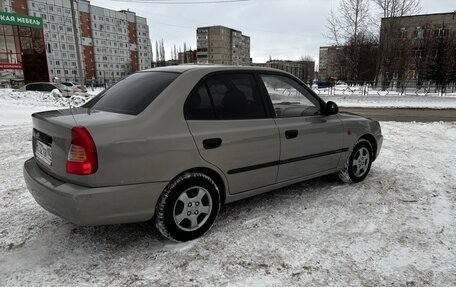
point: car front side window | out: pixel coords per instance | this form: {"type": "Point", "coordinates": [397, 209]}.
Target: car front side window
{"type": "Point", "coordinates": [289, 98]}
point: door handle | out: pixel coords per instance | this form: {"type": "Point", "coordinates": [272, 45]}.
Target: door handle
{"type": "Point", "coordinates": [291, 134]}
{"type": "Point", "coordinates": [212, 143]}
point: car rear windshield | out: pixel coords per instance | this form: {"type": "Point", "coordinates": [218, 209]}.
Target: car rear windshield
{"type": "Point", "coordinates": [133, 94]}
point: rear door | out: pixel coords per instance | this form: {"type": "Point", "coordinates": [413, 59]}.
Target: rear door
{"type": "Point", "coordinates": [227, 117]}
{"type": "Point", "coordinates": [311, 142]}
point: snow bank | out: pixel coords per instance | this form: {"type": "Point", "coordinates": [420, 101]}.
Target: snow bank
{"type": "Point", "coordinates": [16, 107]}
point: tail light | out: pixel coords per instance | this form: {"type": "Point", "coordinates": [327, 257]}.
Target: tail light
{"type": "Point", "coordinates": [82, 156]}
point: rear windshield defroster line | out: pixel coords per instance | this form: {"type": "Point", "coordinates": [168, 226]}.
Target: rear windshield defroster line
{"type": "Point", "coordinates": [133, 94]}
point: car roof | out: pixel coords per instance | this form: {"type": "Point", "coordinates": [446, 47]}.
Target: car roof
{"type": "Point", "coordinates": [41, 83]}
{"type": "Point", "coordinates": [208, 67]}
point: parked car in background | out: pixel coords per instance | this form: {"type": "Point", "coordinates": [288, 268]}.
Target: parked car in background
{"type": "Point", "coordinates": [173, 144]}
{"type": "Point", "coordinates": [75, 86]}
{"type": "Point", "coordinates": [48, 87]}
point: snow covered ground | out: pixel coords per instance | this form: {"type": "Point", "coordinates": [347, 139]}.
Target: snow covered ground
{"type": "Point", "coordinates": [395, 228]}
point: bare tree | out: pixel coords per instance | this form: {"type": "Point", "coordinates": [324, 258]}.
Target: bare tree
{"type": "Point", "coordinates": [162, 53]}
{"type": "Point", "coordinates": [350, 27]}
{"type": "Point", "coordinates": [306, 58]}
{"type": "Point", "coordinates": [352, 20]}
{"type": "Point", "coordinates": [437, 59]}
{"type": "Point", "coordinates": [333, 26]}
{"type": "Point", "coordinates": [358, 59]}
{"type": "Point", "coordinates": [397, 8]}
{"type": "Point", "coordinates": [157, 54]}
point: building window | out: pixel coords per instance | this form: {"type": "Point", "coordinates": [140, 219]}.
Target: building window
{"type": "Point", "coordinates": [442, 32]}
{"type": "Point", "coordinates": [403, 33]}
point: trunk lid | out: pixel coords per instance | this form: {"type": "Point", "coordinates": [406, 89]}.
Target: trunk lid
{"type": "Point", "coordinates": [52, 138]}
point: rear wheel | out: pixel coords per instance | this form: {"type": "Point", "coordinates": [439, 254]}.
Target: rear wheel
{"type": "Point", "coordinates": [358, 164]}
{"type": "Point", "coordinates": [188, 207]}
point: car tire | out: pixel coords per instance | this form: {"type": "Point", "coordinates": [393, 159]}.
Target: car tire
{"type": "Point", "coordinates": [188, 206]}
{"type": "Point", "coordinates": [358, 164]}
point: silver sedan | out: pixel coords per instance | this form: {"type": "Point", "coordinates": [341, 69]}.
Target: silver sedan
{"type": "Point", "coordinates": [173, 144]}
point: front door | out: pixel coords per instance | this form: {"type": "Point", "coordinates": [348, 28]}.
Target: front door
{"type": "Point", "coordinates": [227, 117]}
{"type": "Point", "coordinates": [311, 142]}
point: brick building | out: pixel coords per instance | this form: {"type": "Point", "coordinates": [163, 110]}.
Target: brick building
{"type": "Point", "coordinates": [304, 70]}
{"type": "Point", "coordinates": [87, 42]}
{"type": "Point", "coordinates": [222, 45]}
{"type": "Point", "coordinates": [410, 47]}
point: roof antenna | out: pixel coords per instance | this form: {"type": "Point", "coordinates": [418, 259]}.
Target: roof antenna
{"type": "Point", "coordinates": [71, 110]}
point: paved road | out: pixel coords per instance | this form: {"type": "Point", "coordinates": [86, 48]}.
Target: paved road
{"type": "Point", "coordinates": [405, 115]}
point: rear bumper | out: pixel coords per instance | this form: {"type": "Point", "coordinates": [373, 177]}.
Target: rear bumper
{"type": "Point", "coordinates": [92, 206]}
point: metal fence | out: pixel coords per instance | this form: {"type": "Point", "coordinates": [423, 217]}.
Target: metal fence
{"type": "Point", "coordinates": [393, 88]}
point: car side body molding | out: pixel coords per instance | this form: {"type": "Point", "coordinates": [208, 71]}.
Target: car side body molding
{"type": "Point", "coordinates": [285, 161]}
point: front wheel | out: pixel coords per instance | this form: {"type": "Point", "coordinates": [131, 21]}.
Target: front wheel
{"type": "Point", "coordinates": [188, 207]}
{"type": "Point", "coordinates": [358, 164]}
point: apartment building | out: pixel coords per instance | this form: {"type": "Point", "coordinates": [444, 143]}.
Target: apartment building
{"type": "Point", "coordinates": [86, 42]}
{"type": "Point", "coordinates": [330, 66]}
{"type": "Point", "coordinates": [304, 70]}
{"type": "Point", "coordinates": [187, 57]}
{"type": "Point", "coordinates": [222, 45]}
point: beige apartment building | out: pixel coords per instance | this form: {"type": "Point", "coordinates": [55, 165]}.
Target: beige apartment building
{"type": "Point", "coordinates": [83, 41]}
{"type": "Point", "coordinates": [222, 45]}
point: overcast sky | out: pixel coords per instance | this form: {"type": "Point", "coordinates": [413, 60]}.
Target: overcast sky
{"type": "Point", "coordinates": [282, 29]}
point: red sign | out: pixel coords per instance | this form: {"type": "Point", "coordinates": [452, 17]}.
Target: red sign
{"type": "Point", "coordinates": [10, 66]}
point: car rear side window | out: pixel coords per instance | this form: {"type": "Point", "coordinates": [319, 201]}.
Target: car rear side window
{"type": "Point", "coordinates": [199, 106]}
{"type": "Point", "coordinates": [133, 94]}
{"type": "Point", "coordinates": [33, 87]}
{"type": "Point", "coordinates": [230, 96]}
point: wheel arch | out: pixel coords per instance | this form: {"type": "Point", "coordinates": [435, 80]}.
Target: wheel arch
{"type": "Point", "coordinates": [215, 176]}
{"type": "Point", "coordinates": [373, 142]}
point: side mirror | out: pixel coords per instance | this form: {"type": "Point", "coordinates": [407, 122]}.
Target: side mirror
{"type": "Point", "coordinates": [331, 108]}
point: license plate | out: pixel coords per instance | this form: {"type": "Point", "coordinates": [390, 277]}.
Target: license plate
{"type": "Point", "coordinates": [43, 152]}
